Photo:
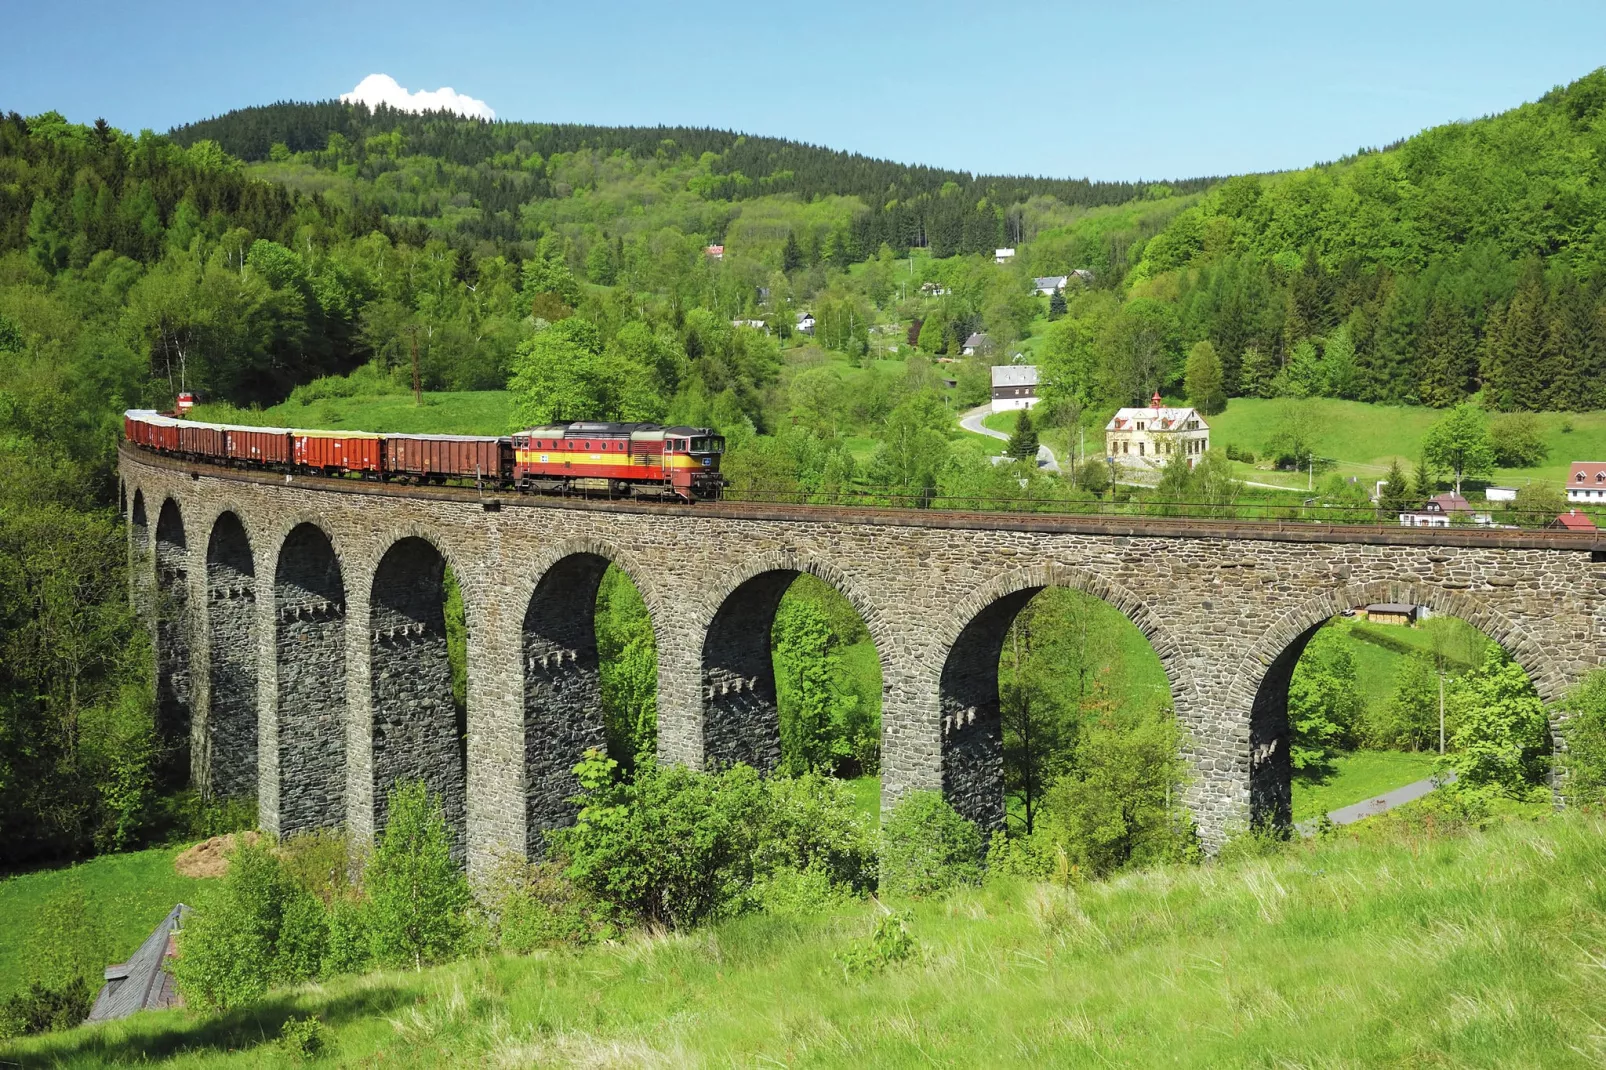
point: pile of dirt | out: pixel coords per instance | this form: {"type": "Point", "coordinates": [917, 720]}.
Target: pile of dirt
{"type": "Point", "coordinates": [207, 858]}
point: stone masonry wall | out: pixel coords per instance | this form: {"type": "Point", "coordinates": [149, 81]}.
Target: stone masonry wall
{"type": "Point", "coordinates": [229, 761]}
{"type": "Point", "coordinates": [309, 703]}
{"type": "Point", "coordinates": [173, 713]}
{"type": "Point", "coordinates": [415, 729]}
{"type": "Point", "coordinates": [562, 691]}
{"type": "Point", "coordinates": [1220, 607]}
{"type": "Point", "coordinates": [741, 714]}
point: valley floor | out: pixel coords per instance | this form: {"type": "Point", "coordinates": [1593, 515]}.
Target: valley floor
{"type": "Point", "coordinates": [1394, 946]}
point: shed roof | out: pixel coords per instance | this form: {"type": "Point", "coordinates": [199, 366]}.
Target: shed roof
{"type": "Point", "coordinates": [1402, 608]}
{"type": "Point", "coordinates": [141, 983]}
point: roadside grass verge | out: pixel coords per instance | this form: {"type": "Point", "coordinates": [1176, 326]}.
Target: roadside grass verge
{"type": "Point", "coordinates": [1356, 777]}
{"type": "Point", "coordinates": [1483, 948]}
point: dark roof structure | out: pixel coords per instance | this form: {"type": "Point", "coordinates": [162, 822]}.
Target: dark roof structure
{"type": "Point", "coordinates": [141, 984]}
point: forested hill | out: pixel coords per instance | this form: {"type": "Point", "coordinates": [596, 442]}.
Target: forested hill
{"type": "Point", "coordinates": [1468, 260]}
{"type": "Point", "coordinates": [743, 166]}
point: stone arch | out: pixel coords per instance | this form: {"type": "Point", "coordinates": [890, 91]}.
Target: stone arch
{"type": "Point", "coordinates": [970, 647]}
{"type": "Point", "coordinates": [309, 760]}
{"type": "Point", "coordinates": [173, 713]}
{"type": "Point", "coordinates": [561, 673]}
{"type": "Point", "coordinates": [417, 734]}
{"type": "Point", "coordinates": [229, 758]}
{"type": "Point", "coordinates": [740, 710]}
{"type": "Point", "coordinates": [1261, 683]}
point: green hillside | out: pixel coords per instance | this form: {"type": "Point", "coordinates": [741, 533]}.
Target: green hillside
{"type": "Point", "coordinates": [1409, 949]}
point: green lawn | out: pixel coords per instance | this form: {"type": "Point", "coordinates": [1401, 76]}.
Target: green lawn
{"type": "Point", "coordinates": [1481, 949]}
{"type": "Point", "coordinates": [475, 412]}
{"type": "Point", "coordinates": [1364, 439]}
{"type": "Point", "coordinates": [131, 891]}
{"type": "Point", "coordinates": [1356, 777]}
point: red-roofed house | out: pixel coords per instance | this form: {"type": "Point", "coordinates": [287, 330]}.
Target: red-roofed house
{"type": "Point", "coordinates": [1573, 520]}
{"type": "Point", "coordinates": [1148, 438]}
{"type": "Point", "coordinates": [715, 252]}
{"type": "Point", "coordinates": [1437, 511]}
{"type": "Point", "coordinates": [1587, 482]}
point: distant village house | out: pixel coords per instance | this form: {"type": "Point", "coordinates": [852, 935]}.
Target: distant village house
{"type": "Point", "coordinates": [1573, 520]}
{"type": "Point", "coordinates": [1003, 256]}
{"type": "Point", "coordinates": [1050, 284]}
{"type": "Point", "coordinates": [805, 323]}
{"type": "Point", "coordinates": [1587, 482]}
{"type": "Point", "coordinates": [933, 289]}
{"type": "Point", "coordinates": [1014, 387]}
{"type": "Point", "coordinates": [714, 252]}
{"type": "Point", "coordinates": [1441, 510]}
{"type": "Point", "coordinates": [976, 343]}
{"type": "Point", "coordinates": [1149, 438]}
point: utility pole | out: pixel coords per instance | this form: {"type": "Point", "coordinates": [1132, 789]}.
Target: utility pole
{"type": "Point", "coordinates": [418, 393]}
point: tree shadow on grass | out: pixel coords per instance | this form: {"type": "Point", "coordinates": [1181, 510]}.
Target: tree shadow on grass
{"type": "Point", "coordinates": [148, 1038]}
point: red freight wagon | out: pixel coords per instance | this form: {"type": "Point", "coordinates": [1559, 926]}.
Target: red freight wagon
{"type": "Point", "coordinates": [437, 458]}
{"type": "Point", "coordinates": [255, 445]}
{"type": "Point", "coordinates": [336, 451]}
{"type": "Point", "coordinates": [200, 440]}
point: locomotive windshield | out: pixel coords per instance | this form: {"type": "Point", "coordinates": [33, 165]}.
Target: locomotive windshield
{"type": "Point", "coordinates": [711, 444]}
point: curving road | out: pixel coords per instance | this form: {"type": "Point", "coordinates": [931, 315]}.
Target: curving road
{"type": "Point", "coordinates": [972, 421]}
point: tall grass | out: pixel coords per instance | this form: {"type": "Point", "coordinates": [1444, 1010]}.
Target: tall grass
{"type": "Point", "coordinates": [1487, 949]}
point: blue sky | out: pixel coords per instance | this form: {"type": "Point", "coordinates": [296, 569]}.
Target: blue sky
{"type": "Point", "coordinates": [1112, 90]}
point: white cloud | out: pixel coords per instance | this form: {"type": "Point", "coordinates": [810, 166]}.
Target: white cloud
{"type": "Point", "coordinates": [377, 89]}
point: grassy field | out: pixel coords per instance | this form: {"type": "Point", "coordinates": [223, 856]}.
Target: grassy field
{"type": "Point", "coordinates": [1364, 439]}
{"type": "Point", "coordinates": [1356, 777]}
{"type": "Point", "coordinates": [132, 892]}
{"type": "Point", "coordinates": [1405, 950]}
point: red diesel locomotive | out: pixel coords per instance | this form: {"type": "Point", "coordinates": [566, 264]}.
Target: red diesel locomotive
{"type": "Point", "coordinates": [605, 459]}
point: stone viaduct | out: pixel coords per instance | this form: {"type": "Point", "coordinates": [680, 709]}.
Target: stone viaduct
{"type": "Point", "coordinates": [301, 646]}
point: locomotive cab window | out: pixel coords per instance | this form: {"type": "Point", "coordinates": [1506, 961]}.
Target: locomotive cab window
{"type": "Point", "coordinates": [712, 444]}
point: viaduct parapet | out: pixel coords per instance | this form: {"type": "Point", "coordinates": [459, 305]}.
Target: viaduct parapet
{"type": "Point", "coordinates": [301, 642]}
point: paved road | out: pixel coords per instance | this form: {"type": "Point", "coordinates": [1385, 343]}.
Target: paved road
{"type": "Point", "coordinates": [1381, 804]}
{"type": "Point", "coordinates": [972, 421]}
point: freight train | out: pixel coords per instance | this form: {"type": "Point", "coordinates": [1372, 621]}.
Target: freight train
{"type": "Point", "coordinates": [634, 460]}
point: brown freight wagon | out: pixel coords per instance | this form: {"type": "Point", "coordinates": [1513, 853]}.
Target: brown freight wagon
{"type": "Point", "coordinates": [438, 458]}
{"type": "Point", "coordinates": [336, 451]}
{"type": "Point", "coordinates": [201, 440]}
{"type": "Point", "coordinates": [254, 445]}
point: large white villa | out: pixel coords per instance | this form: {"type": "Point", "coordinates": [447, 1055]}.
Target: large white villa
{"type": "Point", "coordinates": [1149, 438]}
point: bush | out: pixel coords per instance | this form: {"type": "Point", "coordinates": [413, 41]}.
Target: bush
{"type": "Point", "coordinates": [1236, 454]}
{"type": "Point", "coordinates": [797, 893]}
{"type": "Point", "coordinates": [927, 849]}
{"type": "Point", "coordinates": [1518, 441]}
{"type": "Point", "coordinates": [1499, 742]}
{"type": "Point", "coordinates": [889, 943]}
{"type": "Point", "coordinates": [303, 1038]}
{"type": "Point", "coordinates": [1585, 733]}
{"type": "Point", "coordinates": [42, 1010]}
{"type": "Point", "coordinates": [535, 905]}
{"type": "Point", "coordinates": [350, 945]}
{"type": "Point", "coordinates": [671, 846]}
{"type": "Point", "coordinates": [1093, 477]}
{"type": "Point", "coordinates": [257, 930]}
{"type": "Point", "coordinates": [417, 896]}
{"type": "Point", "coordinates": [1121, 804]}
{"type": "Point", "coordinates": [1030, 857]}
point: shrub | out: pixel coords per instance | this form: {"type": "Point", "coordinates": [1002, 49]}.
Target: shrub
{"type": "Point", "coordinates": [258, 929]}
{"type": "Point", "coordinates": [350, 945]}
{"type": "Point", "coordinates": [1121, 804]}
{"type": "Point", "coordinates": [417, 897]}
{"type": "Point", "coordinates": [535, 905]}
{"type": "Point", "coordinates": [927, 848]}
{"type": "Point", "coordinates": [1585, 733]}
{"type": "Point", "coordinates": [303, 1038]}
{"type": "Point", "coordinates": [889, 943]}
{"type": "Point", "coordinates": [40, 1010]}
{"type": "Point", "coordinates": [1030, 857]}
{"type": "Point", "coordinates": [809, 824]}
{"type": "Point", "coordinates": [1234, 453]}
{"type": "Point", "coordinates": [669, 846]}
{"type": "Point", "coordinates": [1499, 741]}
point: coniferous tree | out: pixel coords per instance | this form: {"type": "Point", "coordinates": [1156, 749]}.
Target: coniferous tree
{"type": "Point", "coordinates": [791, 254]}
{"type": "Point", "coordinates": [1394, 496]}
{"type": "Point", "coordinates": [1202, 376]}
{"type": "Point", "coordinates": [1023, 443]}
{"type": "Point", "coordinates": [1515, 376]}
{"type": "Point", "coordinates": [1056, 305]}
{"type": "Point", "coordinates": [1448, 355]}
{"type": "Point", "coordinates": [1575, 358]}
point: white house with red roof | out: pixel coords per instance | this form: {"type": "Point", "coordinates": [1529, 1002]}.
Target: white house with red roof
{"type": "Point", "coordinates": [1587, 482]}
{"type": "Point", "coordinates": [1149, 438]}
{"type": "Point", "coordinates": [1441, 510]}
